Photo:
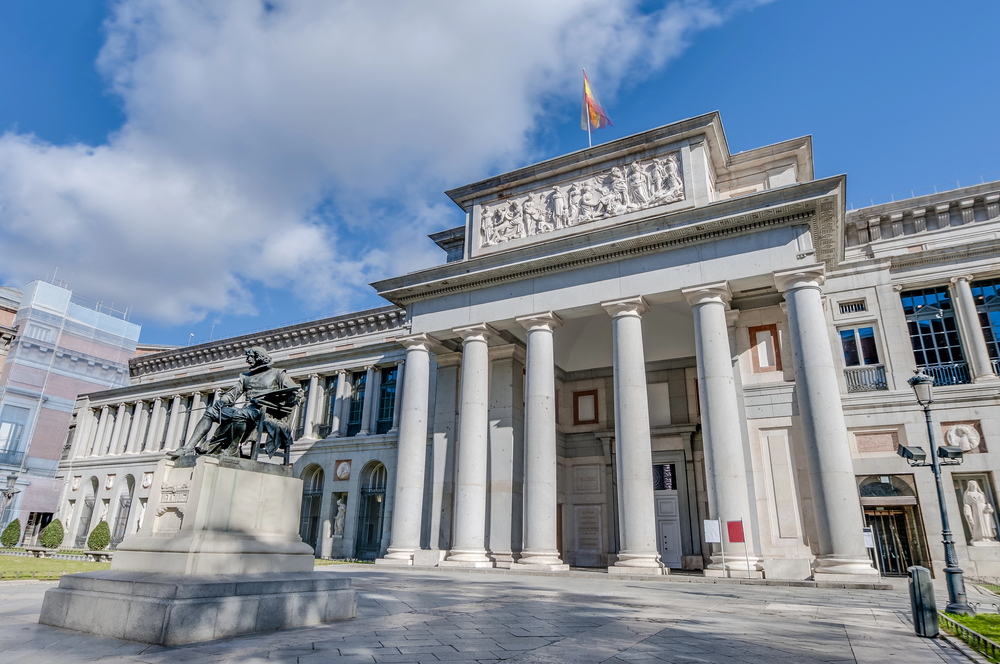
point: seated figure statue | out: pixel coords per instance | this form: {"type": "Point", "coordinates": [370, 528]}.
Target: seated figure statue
{"type": "Point", "coordinates": [237, 424]}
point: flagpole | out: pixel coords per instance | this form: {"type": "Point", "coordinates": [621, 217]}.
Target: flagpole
{"type": "Point", "coordinates": [590, 141]}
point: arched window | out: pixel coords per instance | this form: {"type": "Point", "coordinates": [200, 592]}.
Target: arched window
{"type": "Point", "coordinates": [86, 513]}
{"type": "Point", "coordinates": [313, 478]}
{"type": "Point", "coordinates": [120, 526]}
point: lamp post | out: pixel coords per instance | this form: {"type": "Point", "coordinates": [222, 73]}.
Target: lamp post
{"type": "Point", "coordinates": [923, 387]}
{"type": "Point", "coordinates": [8, 493]}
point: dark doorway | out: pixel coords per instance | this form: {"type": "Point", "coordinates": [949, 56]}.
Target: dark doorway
{"type": "Point", "coordinates": [897, 542]}
{"type": "Point", "coordinates": [371, 508]}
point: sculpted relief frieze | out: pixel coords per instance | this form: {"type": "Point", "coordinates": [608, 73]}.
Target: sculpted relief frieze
{"type": "Point", "coordinates": [623, 189]}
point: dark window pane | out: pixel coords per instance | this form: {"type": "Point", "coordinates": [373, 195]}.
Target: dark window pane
{"type": "Point", "coordinates": [868, 350]}
{"type": "Point", "coordinates": [850, 345]}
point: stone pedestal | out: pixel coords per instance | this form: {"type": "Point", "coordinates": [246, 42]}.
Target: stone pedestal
{"type": "Point", "coordinates": [172, 609]}
{"type": "Point", "coordinates": [219, 515]}
{"type": "Point", "coordinates": [218, 555]}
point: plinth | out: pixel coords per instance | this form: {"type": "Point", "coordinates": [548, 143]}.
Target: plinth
{"type": "Point", "coordinates": [218, 555]}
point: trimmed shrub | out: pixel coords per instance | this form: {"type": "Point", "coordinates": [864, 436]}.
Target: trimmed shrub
{"type": "Point", "coordinates": [100, 537]}
{"type": "Point", "coordinates": [11, 534]}
{"type": "Point", "coordinates": [52, 536]}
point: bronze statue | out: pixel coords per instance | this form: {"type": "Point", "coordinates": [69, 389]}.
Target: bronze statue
{"type": "Point", "coordinates": [270, 396]}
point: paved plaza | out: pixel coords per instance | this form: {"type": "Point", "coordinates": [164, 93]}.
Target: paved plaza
{"type": "Point", "coordinates": [432, 616]}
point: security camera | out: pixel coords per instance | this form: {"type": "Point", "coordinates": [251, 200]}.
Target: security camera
{"type": "Point", "coordinates": [912, 454]}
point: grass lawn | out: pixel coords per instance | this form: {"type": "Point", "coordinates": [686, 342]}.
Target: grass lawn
{"type": "Point", "coordinates": [987, 624]}
{"type": "Point", "coordinates": [13, 567]}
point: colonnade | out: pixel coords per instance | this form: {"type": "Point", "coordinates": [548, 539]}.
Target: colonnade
{"type": "Point", "coordinates": [842, 550]}
{"type": "Point", "coordinates": [162, 423]}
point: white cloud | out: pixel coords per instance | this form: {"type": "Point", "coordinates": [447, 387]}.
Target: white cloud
{"type": "Point", "coordinates": [245, 118]}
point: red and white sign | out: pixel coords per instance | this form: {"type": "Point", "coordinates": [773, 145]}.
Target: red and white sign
{"type": "Point", "coordinates": [735, 529]}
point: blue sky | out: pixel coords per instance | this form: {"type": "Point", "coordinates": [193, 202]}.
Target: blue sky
{"type": "Point", "coordinates": [229, 166]}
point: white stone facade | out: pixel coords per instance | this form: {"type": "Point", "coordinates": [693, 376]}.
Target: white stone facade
{"type": "Point", "coordinates": [586, 385]}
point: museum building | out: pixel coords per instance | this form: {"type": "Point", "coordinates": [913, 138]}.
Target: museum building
{"type": "Point", "coordinates": [624, 342]}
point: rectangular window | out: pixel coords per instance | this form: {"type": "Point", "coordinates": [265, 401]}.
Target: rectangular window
{"type": "Point", "coordinates": [937, 347]}
{"type": "Point", "coordinates": [12, 422]}
{"type": "Point", "coordinates": [859, 346]}
{"type": "Point", "coordinates": [585, 407]}
{"type": "Point", "coordinates": [664, 478]}
{"type": "Point", "coordinates": [329, 404]}
{"type": "Point", "coordinates": [853, 307]}
{"type": "Point", "coordinates": [765, 351]}
{"type": "Point", "coordinates": [357, 402]}
{"type": "Point", "coordinates": [300, 417]}
{"type": "Point", "coordinates": [386, 400]}
{"type": "Point", "coordinates": [987, 297]}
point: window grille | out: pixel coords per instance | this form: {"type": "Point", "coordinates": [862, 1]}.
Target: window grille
{"type": "Point", "coordinates": [853, 306]}
{"type": "Point", "coordinates": [386, 400]}
{"type": "Point", "coordinates": [934, 334]}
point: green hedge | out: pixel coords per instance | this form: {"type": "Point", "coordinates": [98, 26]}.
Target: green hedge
{"type": "Point", "coordinates": [100, 537]}
{"type": "Point", "coordinates": [11, 534]}
{"type": "Point", "coordinates": [52, 536]}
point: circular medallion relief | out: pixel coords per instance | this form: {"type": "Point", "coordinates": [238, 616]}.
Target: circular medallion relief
{"type": "Point", "coordinates": [964, 437]}
{"type": "Point", "coordinates": [343, 471]}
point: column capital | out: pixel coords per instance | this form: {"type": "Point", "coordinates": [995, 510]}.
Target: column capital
{"type": "Point", "coordinates": [546, 320]}
{"type": "Point", "coordinates": [629, 306]}
{"type": "Point", "coordinates": [962, 277]}
{"type": "Point", "coordinates": [156, 399]}
{"type": "Point", "coordinates": [422, 341]}
{"type": "Point", "coordinates": [805, 276]}
{"type": "Point", "coordinates": [175, 397]}
{"type": "Point", "coordinates": [732, 315]}
{"type": "Point", "coordinates": [481, 332]}
{"type": "Point", "coordinates": [707, 293]}
{"type": "Point", "coordinates": [507, 351]}
{"type": "Point", "coordinates": [314, 376]}
{"type": "Point", "coordinates": [121, 405]}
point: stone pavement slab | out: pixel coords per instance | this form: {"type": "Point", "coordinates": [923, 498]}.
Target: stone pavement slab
{"type": "Point", "coordinates": [414, 616]}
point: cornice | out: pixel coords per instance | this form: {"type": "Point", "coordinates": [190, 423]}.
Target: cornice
{"type": "Point", "coordinates": [299, 335]}
{"type": "Point", "coordinates": [818, 204]}
{"type": "Point", "coordinates": [943, 254]}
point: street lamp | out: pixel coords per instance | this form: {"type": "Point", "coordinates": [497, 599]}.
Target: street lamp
{"type": "Point", "coordinates": [923, 388]}
{"type": "Point", "coordinates": [9, 493]}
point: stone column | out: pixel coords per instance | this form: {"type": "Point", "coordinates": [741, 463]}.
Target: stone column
{"type": "Point", "coordinates": [443, 449]}
{"type": "Point", "coordinates": [102, 427]}
{"type": "Point", "coordinates": [153, 430]}
{"type": "Point", "coordinates": [193, 416]}
{"type": "Point", "coordinates": [505, 455]}
{"type": "Point", "coordinates": [843, 555]}
{"type": "Point", "coordinates": [721, 425]}
{"type": "Point", "coordinates": [469, 547]}
{"type": "Point", "coordinates": [639, 554]}
{"type": "Point", "coordinates": [116, 430]}
{"type": "Point", "coordinates": [341, 397]}
{"type": "Point", "coordinates": [86, 420]}
{"type": "Point", "coordinates": [366, 409]}
{"type": "Point", "coordinates": [540, 464]}
{"type": "Point", "coordinates": [312, 405]}
{"type": "Point", "coordinates": [133, 433]}
{"type": "Point", "coordinates": [412, 452]}
{"type": "Point", "coordinates": [398, 398]}
{"type": "Point", "coordinates": [971, 330]}
{"type": "Point", "coordinates": [172, 421]}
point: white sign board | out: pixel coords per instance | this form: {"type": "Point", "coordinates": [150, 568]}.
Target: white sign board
{"type": "Point", "coordinates": [869, 539]}
{"type": "Point", "coordinates": [713, 531]}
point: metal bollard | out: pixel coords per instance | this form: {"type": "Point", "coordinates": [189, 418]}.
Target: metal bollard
{"type": "Point", "coordinates": [925, 617]}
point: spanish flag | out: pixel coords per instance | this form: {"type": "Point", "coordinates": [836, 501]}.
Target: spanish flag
{"type": "Point", "coordinates": [592, 115]}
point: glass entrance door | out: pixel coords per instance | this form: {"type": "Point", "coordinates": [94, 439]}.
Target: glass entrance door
{"type": "Point", "coordinates": [897, 541]}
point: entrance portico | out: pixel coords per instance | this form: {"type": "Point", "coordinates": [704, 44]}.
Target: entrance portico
{"type": "Point", "coordinates": [645, 332]}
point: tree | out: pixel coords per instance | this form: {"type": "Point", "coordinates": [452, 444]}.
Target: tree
{"type": "Point", "coordinates": [52, 536]}
{"type": "Point", "coordinates": [100, 537]}
{"type": "Point", "coordinates": [11, 534]}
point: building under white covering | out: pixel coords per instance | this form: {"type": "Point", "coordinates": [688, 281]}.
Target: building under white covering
{"type": "Point", "coordinates": [625, 342]}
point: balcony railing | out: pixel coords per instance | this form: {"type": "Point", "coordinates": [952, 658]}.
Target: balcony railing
{"type": "Point", "coordinates": [11, 457]}
{"type": "Point", "coordinates": [866, 379]}
{"type": "Point", "coordinates": [956, 373]}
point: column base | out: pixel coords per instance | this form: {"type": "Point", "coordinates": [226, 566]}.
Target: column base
{"type": "Point", "coordinates": [844, 569]}
{"type": "Point", "coordinates": [397, 557]}
{"type": "Point", "coordinates": [503, 560]}
{"type": "Point", "coordinates": [458, 558]}
{"type": "Point", "coordinates": [734, 567]}
{"type": "Point", "coordinates": [542, 559]}
{"type": "Point", "coordinates": [643, 563]}
{"type": "Point", "coordinates": [540, 564]}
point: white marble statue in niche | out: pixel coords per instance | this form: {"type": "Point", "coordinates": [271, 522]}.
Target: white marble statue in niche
{"type": "Point", "coordinates": [636, 186]}
{"type": "Point", "coordinates": [963, 436]}
{"type": "Point", "coordinates": [341, 518]}
{"type": "Point", "coordinates": [979, 514]}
